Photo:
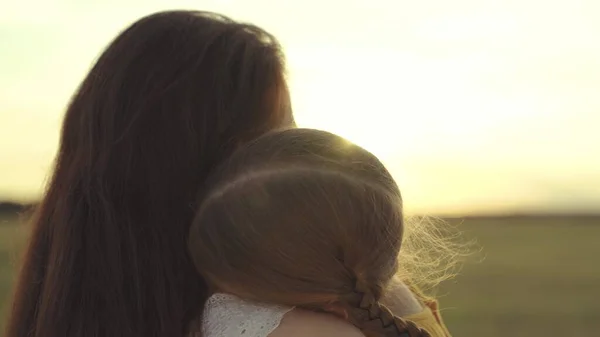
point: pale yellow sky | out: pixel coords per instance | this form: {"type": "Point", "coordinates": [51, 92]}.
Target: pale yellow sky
{"type": "Point", "coordinates": [474, 105]}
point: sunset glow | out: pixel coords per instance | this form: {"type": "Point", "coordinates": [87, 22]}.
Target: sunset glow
{"type": "Point", "coordinates": [473, 105]}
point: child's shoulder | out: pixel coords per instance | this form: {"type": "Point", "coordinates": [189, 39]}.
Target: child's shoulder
{"type": "Point", "coordinates": [303, 323]}
{"type": "Point", "coordinates": [228, 315]}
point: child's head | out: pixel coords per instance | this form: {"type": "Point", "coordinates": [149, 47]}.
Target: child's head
{"type": "Point", "coordinates": [303, 218]}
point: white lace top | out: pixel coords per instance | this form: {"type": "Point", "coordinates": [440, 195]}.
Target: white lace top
{"type": "Point", "coordinates": [230, 316]}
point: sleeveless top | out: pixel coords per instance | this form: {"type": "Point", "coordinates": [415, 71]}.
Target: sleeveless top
{"type": "Point", "coordinates": [230, 316]}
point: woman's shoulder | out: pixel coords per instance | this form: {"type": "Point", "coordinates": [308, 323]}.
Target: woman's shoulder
{"type": "Point", "coordinates": [303, 323]}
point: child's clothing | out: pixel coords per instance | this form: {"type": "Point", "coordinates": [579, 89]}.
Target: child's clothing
{"type": "Point", "coordinates": [229, 316]}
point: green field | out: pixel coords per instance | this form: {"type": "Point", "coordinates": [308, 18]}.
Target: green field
{"type": "Point", "coordinates": [534, 277]}
{"type": "Point", "coordinates": [12, 238]}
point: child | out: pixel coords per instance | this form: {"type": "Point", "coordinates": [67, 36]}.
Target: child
{"type": "Point", "coordinates": [304, 219]}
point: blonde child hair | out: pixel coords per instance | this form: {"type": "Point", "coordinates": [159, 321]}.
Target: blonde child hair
{"type": "Point", "coordinates": [305, 218]}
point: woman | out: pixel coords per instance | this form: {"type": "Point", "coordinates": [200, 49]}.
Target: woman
{"type": "Point", "coordinates": [169, 98]}
{"type": "Point", "coordinates": [303, 219]}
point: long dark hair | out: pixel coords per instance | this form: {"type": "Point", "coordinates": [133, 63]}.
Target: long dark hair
{"type": "Point", "coordinates": [169, 98]}
{"type": "Point", "coordinates": [304, 218]}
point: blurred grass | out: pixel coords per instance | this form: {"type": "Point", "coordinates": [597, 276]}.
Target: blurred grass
{"type": "Point", "coordinates": [535, 276]}
{"type": "Point", "coordinates": [539, 277]}
{"type": "Point", "coordinates": [12, 239]}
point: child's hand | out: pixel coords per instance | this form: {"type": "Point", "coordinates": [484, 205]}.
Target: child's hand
{"type": "Point", "coordinates": [401, 300]}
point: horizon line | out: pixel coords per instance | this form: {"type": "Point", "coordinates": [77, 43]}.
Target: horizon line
{"type": "Point", "coordinates": [25, 207]}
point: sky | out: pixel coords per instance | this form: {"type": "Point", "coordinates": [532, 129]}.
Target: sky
{"type": "Point", "coordinates": [474, 105]}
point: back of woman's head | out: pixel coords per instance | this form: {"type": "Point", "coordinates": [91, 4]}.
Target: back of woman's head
{"type": "Point", "coordinates": [304, 218]}
{"type": "Point", "coordinates": [169, 97]}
